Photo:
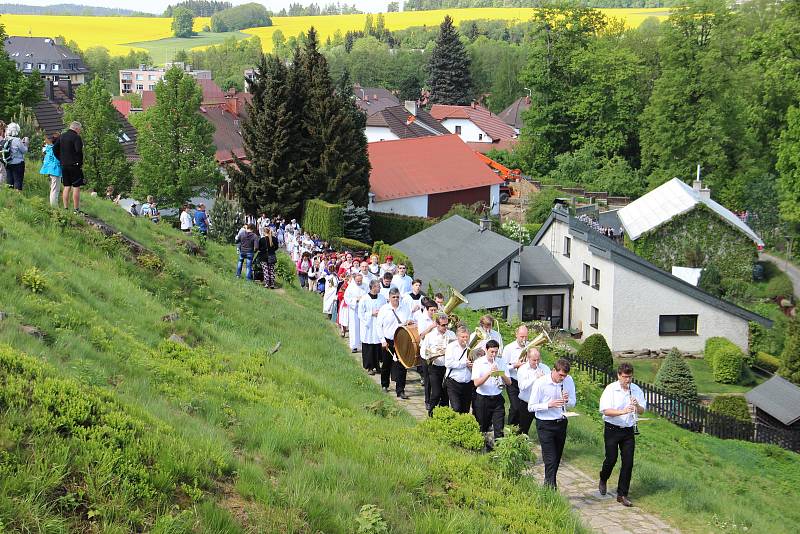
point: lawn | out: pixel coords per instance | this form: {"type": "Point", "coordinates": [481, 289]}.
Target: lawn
{"type": "Point", "coordinates": [163, 50]}
{"type": "Point", "coordinates": [645, 371]}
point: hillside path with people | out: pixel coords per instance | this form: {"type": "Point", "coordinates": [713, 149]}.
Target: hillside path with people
{"type": "Point", "coordinates": [602, 513]}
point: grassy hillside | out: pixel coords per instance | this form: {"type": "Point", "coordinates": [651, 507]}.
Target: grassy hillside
{"type": "Point", "coordinates": [163, 50]}
{"type": "Point", "coordinates": [109, 427]}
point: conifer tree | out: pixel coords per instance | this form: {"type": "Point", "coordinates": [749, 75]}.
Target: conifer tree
{"type": "Point", "coordinates": [675, 377]}
{"type": "Point", "coordinates": [175, 144]}
{"type": "Point", "coordinates": [450, 80]}
{"type": "Point", "coordinates": [104, 162]}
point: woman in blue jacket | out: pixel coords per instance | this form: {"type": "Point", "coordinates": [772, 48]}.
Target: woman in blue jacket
{"type": "Point", "coordinates": [51, 167]}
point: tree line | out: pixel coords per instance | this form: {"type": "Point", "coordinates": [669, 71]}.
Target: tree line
{"type": "Point", "coordinates": [312, 10]}
{"type": "Point", "coordinates": [198, 8]}
{"type": "Point", "coordinates": [427, 5]}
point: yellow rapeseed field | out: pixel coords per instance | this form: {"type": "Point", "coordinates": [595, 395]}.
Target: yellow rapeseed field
{"type": "Point", "coordinates": [115, 32]}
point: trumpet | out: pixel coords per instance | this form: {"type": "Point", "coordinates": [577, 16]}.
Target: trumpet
{"type": "Point", "coordinates": [478, 336]}
{"type": "Point", "coordinates": [542, 339]}
{"type": "Point", "coordinates": [635, 416]}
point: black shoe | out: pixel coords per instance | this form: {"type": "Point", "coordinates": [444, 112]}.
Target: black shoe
{"type": "Point", "coordinates": [371, 372]}
{"type": "Point", "coordinates": [602, 487]}
{"type": "Point", "coordinates": [402, 395]}
{"type": "Point", "coordinates": [385, 390]}
{"type": "Point", "coordinates": [354, 351]}
{"type": "Point", "coordinates": [624, 501]}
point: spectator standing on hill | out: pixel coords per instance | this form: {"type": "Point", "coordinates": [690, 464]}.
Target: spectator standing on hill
{"type": "Point", "coordinates": [186, 219]}
{"type": "Point", "coordinates": [150, 209]}
{"type": "Point", "coordinates": [13, 152]}
{"type": "Point", "coordinates": [69, 151]}
{"type": "Point", "coordinates": [303, 265]}
{"type": "Point", "coordinates": [201, 219]}
{"type": "Point", "coordinates": [2, 142]}
{"type": "Point", "coordinates": [51, 167]}
{"type": "Point", "coordinates": [248, 245]}
{"type": "Point", "coordinates": [268, 256]}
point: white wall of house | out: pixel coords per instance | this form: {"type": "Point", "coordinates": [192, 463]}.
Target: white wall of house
{"type": "Point", "coordinates": [494, 199]}
{"type": "Point", "coordinates": [415, 206]}
{"type": "Point", "coordinates": [379, 133]}
{"type": "Point", "coordinates": [469, 131]}
{"type": "Point", "coordinates": [498, 298]}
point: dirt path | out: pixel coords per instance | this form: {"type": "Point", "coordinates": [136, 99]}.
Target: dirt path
{"type": "Point", "coordinates": [788, 267]}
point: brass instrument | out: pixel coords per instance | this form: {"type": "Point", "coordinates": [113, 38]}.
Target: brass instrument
{"type": "Point", "coordinates": [538, 341]}
{"type": "Point", "coordinates": [456, 300]}
{"type": "Point", "coordinates": [478, 336]}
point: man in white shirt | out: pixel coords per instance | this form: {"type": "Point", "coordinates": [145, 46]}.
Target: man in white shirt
{"type": "Point", "coordinates": [386, 285]}
{"type": "Point", "coordinates": [530, 371]}
{"type": "Point", "coordinates": [186, 219]}
{"type": "Point", "coordinates": [368, 278]}
{"type": "Point", "coordinates": [490, 374]}
{"type": "Point", "coordinates": [432, 349]}
{"type": "Point", "coordinates": [390, 317]}
{"type": "Point", "coordinates": [486, 323]}
{"type": "Point", "coordinates": [621, 404]}
{"type": "Point", "coordinates": [413, 298]}
{"type": "Point", "coordinates": [511, 355]}
{"type": "Point", "coordinates": [356, 290]}
{"type": "Point", "coordinates": [425, 318]}
{"type": "Point", "coordinates": [262, 224]}
{"type": "Point", "coordinates": [368, 310]}
{"type": "Point", "coordinates": [459, 372]}
{"type": "Point", "coordinates": [402, 281]}
{"type": "Point", "coordinates": [550, 397]}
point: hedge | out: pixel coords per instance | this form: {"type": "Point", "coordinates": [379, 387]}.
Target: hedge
{"type": "Point", "coordinates": [767, 362]}
{"type": "Point", "coordinates": [382, 250]}
{"type": "Point", "coordinates": [726, 360]}
{"type": "Point", "coordinates": [675, 377]}
{"type": "Point", "coordinates": [391, 228]}
{"type": "Point", "coordinates": [323, 219]}
{"type": "Point", "coordinates": [353, 245]}
{"type": "Point", "coordinates": [731, 405]}
{"type": "Point", "coordinates": [595, 350]}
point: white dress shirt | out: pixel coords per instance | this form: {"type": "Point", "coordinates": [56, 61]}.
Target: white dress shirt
{"type": "Point", "coordinates": [544, 390]}
{"type": "Point", "coordinates": [385, 291]}
{"type": "Point", "coordinates": [493, 334]}
{"type": "Point", "coordinates": [511, 354]}
{"type": "Point", "coordinates": [526, 376]}
{"type": "Point", "coordinates": [414, 304]}
{"type": "Point", "coordinates": [615, 398]}
{"type": "Point", "coordinates": [388, 321]}
{"type": "Point", "coordinates": [492, 386]}
{"type": "Point", "coordinates": [433, 343]}
{"type": "Point", "coordinates": [403, 283]}
{"type": "Point", "coordinates": [455, 359]}
{"type": "Point", "coordinates": [370, 333]}
{"type": "Point", "coordinates": [423, 322]}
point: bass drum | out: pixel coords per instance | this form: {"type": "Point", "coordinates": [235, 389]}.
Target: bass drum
{"type": "Point", "coordinates": [406, 346]}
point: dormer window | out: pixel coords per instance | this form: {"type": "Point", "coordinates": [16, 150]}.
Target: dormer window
{"type": "Point", "coordinates": [41, 66]}
{"type": "Point", "coordinates": [56, 66]}
{"type": "Point", "coordinates": [28, 66]}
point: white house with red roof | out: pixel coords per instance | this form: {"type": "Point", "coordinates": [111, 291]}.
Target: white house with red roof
{"type": "Point", "coordinates": [473, 124]}
{"type": "Point", "coordinates": [425, 176]}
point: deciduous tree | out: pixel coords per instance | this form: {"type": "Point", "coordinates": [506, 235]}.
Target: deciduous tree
{"type": "Point", "coordinates": [182, 20]}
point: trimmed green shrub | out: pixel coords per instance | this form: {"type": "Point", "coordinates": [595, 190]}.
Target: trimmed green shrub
{"type": "Point", "coordinates": [767, 362]}
{"type": "Point", "coordinates": [391, 228]}
{"type": "Point", "coordinates": [286, 270]}
{"type": "Point", "coordinates": [324, 219]}
{"type": "Point", "coordinates": [511, 452]}
{"type": "Point", "coordinates": [731, 405]}
{"type": "Point", "coordinates": [780, 286]}
{"type": "Point", "coordinates": [353, 245]}
{"type": "Point", "coordinates": [726, 360]}
{"type": "Point", "coordinates": [790, 357]}
{"type": "Point", "coordinates": [459, 429]}
{"type": "Point", "coordinates": [595, 350]}
{"type": "Point", "coordinates": [675, 377]}
{"type": "Point", "coordinates": [382, 250]}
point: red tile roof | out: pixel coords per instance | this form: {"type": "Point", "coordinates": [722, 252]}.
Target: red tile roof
{"type": "Point", "coordinates": [425, 165]}
{"type": "Point", "coordinates": [212, 94]}
{"type": "Point", "coordinates": [148, 99]}
{"type": "Point", "coordinates": [480, 116]}
{"type": "Point", "coordinates": [123, 106]}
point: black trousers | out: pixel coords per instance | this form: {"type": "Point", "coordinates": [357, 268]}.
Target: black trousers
{"type": "Point", "coordinates": [552, 435]}
{"type": "Point", "coordinates": [394, 369]}
{"type": "Point", "coordinates": [386, 363]}
{"type": "Point", "coordinates": [460, 395]}
{"type": "Point", "coordinates": [438, 393]}
{"type": "Point", "coordinates": [513, 400]}
{"type": "Point", "coordinates": [490, 412]}
{"type": "Point", "coordinates": [524, 418]}
{"type": "Point", "coordinates": [622, 439]}
{"type": "Point", "coordinates": [370, 355]}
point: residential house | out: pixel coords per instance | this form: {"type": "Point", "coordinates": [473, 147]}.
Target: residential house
{"type": "Point", "coordinates": [473, 124]}
{"type": "Point", "coordinates": [425, 176]}
{"type": "Point", "coordinates": [371, 100]}
{"type": "Point", "coordinates": [512, 115]}
{"type": "Point", "coordinates": [146, 77]}
{"type": "Point", "coordinates": [631, 301]}
{"type": "Point", "coordinates": [53, 62]}
{"type": "Point", "coordinates": [402, 122]}
{"type": "Point", "coordinates": [227, 120]}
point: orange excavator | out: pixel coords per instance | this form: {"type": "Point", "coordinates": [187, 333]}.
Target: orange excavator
{"type": "Point", "coordinates": [504, 172]}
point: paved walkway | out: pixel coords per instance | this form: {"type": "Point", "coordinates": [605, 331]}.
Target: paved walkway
{"type": "Point", "coordinates": [602, 513]}
{"type": "Point", "coordinates": [786, 266]}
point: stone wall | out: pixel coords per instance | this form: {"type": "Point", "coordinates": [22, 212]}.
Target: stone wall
{"type": "Point", "coordinates": [653, 354]}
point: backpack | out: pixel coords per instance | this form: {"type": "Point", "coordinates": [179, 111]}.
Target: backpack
{"type": "Point", "coordinates": [5, 153]}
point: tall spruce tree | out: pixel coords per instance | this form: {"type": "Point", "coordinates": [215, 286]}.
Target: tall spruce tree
{"type": "Point", "coordinates": [104, 162]}
{"type": "Point", "coordinates": [450, 81]}
{"type": "Point", "coordinates": [175, 144]}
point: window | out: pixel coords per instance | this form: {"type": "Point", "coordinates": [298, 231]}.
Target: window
{"type": "Point", "coordinates": [28, 66]}
{"type": "Point", "coordinates": [677, 325]}
{"type": "Point", "coordinates": [596, 278]}
{"type": "Point", "coordinates": [567, 246]}
{"type": "Point", "coordinates": [139, 87]}
{"type": "Point", "coordinates": [151, 77]}
{"type": "Point", "coordinates": [458, 130]}
{"type": "Point", "coordinates": [56, 67]}
{"type": "Point", "coordinates": [586, 272]}
{"type": "Point", "coordinates": [543, 308]}
{"type": "Point", "coordinates": [139, 77]}
{"type": "Point", "coordinates": [496, 280]}
{"type": "Point", "coordinates": [73, 66]}
{"type": "Point", "coordinates": [480, 137]}
{"type": "Point", "coordinates": [594, 318]}
{"type": "Point", "coordinates": [151, 87]}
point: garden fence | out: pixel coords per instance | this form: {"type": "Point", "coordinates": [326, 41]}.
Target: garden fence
{"type": "Point", "coordinates": [691, 415]}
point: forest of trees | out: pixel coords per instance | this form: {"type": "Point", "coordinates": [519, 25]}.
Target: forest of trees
{"type": "Point", "coordinates": [425, 5]}
{"type": "Point", "coordinates": [199, 8]}
{"type": "Point", "coordinates": [313, 9]}
{"type": "Point", "coordinates": [250, 15]}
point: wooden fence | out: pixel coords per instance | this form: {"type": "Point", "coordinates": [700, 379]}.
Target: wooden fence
{"type": "Point", "coordinates": [693, 416]}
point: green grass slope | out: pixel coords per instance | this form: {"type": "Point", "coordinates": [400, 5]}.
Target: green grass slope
{"type": "Point", "coordinates": [105, 426]}
{"type": "Point", "coordinates": [163, 50]}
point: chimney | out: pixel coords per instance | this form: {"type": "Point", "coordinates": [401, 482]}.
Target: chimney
{"type": "Point", "coordinates": [705, 193]}
{"type": "Point", "coordinates": [48, 90]}
{"type": "Point", "coordinates": [697, 185]}
{"type": "Point", "coordinates": [411, 107]}
{"type": "Point", "coordinates": [485, 224]}
{"type": "Point", "coordinates": [233, 105]}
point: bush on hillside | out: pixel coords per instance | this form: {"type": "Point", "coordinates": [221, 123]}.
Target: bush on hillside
{"type": "Point", "coordinates": [286, 270]}
{"type": "Point", "coordinates": [790, 364]}
{"type": "Point", "coordinates": [391, 228]}
{"type": "Point", "coordinates": [541, 204]}
{"type": "Point", "coordinates": [675, 377]}
{"type": "Point", "coordinates": [459, 429]}
{"type": "Point", "coordinates": [780, 286]}
{"type": "Point", "coordinates": [731, 405]}
{"type": "Point", "coordinates": [250, 15]}
{"type": "Point", "coordinates": [767, 362]}
{"type": "Point", "coordinates": [382, 250]}
{"type": "Point", "coordinates": [225, 220]}
{"type": "Point", "coordinates": [726, 360]}
{"type": "Point", "coordinates": [323, 219]}
{"type": "Point", "coordinates": [511, 453]}
{"type": "Point", "coordinates": [595, 351]}
{"type": "Point", "coordinates": [352, 245]}
{"type": "Point", "coordinates": [356, 222]}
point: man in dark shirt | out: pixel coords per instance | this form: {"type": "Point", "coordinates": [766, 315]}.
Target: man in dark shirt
{"type": "Point", "coordinates": [69, 151]}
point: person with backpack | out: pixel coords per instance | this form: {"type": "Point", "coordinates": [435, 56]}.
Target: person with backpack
{"type": "Point", "coordinates": [13, 155]}
{"type": "Point", "coordinates": [51, 167]}
{"type": "Point", "coordinates": [69, 150]}
{"type": "Point", "coordinates": [150, 209]}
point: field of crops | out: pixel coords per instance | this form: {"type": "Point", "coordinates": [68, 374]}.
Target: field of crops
{"type": "Point", "coordinates": [115, 33]}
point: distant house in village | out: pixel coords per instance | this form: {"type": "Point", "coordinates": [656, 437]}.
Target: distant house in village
{"type": "Point", "coordinates": [402, 122]}
{"type": "Point", "coordinates": [512, 115]}
{"type": "Point", "coordinates": [777, 404]}
{"type": "Point", "coordinates": [146, 77]}
{"type": "Point", "coordinates": [425, 176]}
{"type": "Point", "coordinates": [680, 225]}
{"type": "Point", "coordinates": [371, 100]}
{"type": "Point", "coordinates": [53, 62]}
{"type": "Point", "coordinates": [474, 124]}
